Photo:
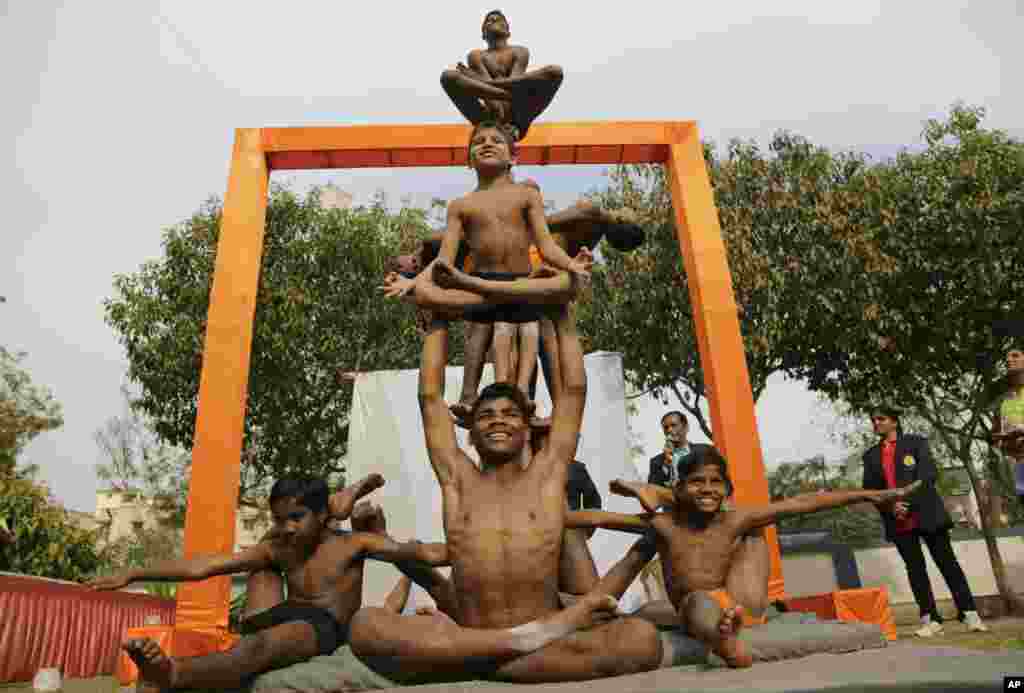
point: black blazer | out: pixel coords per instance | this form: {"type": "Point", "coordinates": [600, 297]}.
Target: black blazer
{"type": "Point", "coordinates": [913, 462]}
{"type": "Point", "coordinates": [657, 474]}
{"type": "Point", "coordinates": [580, 489]}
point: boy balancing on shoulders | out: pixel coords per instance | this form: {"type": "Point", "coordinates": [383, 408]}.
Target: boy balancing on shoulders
{"type": "Point", "coordinates": [323, 569]}
{"type": "Point", "coordinates": [498, 221]}
{"type": "Point", "coordinates": [698, 540]}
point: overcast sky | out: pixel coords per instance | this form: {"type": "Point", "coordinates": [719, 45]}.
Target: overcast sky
{"type": "Point", "coordinates": [118, 123]}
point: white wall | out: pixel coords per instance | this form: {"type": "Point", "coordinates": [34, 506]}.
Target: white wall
{"type": "Point", "coordinates": [386, 436]}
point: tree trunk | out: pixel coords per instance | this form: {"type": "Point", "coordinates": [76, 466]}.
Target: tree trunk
{"type": "Point", "coordinates": [1013, 602]}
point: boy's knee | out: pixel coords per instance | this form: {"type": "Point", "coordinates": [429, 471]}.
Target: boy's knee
{"type": "Point", "coordinates": [364, 631]}
{"type": "Point", "coordinates": [701, 613]}
{"type": "Point", "coordinates": [639, 645]}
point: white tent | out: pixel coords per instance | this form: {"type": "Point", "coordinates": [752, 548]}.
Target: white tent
{"type": "Point", "coordinates": [386, 436]}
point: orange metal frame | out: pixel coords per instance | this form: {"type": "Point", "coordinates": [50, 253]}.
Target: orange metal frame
{"type": "Point", "coordinates": [213, 495]}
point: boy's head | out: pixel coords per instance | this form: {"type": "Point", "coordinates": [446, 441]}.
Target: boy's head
{"type": "Point", "coordinates": [1015, 360]}
{"type": "Point", "coordinates": [495, 25]}
{"type": "Point", "coordinates": [704, 481]}
{"type": "Point", "coordinates": [499, 423]}
{"type": "Point", "coordinates": [299, 509]}
{"type": "Point", "coordinates": [492, 144]}
{"type": "Point", "coordinates": [885, 420]}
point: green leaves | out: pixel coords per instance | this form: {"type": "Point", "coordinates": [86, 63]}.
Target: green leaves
{"type": "Point", "coordinates": [47, 543]}
{"type": "Point", "coordinates": [318, 315]}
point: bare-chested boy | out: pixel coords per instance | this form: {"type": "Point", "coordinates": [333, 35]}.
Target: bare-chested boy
{"type": "Point", "coordinates": [498, 222]}
{"type": "Point", "coordinates": [698, 541]}
{"type": "Point", "coordinates": [504, 527]}
{"type": "Point", "coordinates": [323, 570]}
{"type": "Point", "coordinates": [495, 85]}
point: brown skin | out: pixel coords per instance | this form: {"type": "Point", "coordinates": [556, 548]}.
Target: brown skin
{"type": "Point", "coordinates": [321, 567]}
{"type": "Point", "coordinates": [498, 221]}
{"type": "Point", "coordinates": [698, 542]}
{"type": "Point", "coordinates": [504, 525]}
{"type": "Point", "coordinates": [495, 84]}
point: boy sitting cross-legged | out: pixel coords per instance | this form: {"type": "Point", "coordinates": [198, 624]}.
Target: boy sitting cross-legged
{"type": "Point", "coordinates": [323, 570]}
{"type": "Point", "coordinates": [698, 540]}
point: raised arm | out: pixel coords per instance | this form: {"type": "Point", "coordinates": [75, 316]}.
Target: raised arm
{"type": "Point", "coordinates": [814, 502]}
{"type": "Point", "coordinates": [602, 519]}
{"type": "Point", "coordinates": [189, 569]}
{"type": "Point", "coordinates": [552, 253]}
{"type": "Point", "coordinates": [651, 496]}
{"type": "Point", "coordinates": [567, 413]}
{"type": "Point", "coordinates": [445, 456]}
{"type": "Point", "coordinates": [341, 503]}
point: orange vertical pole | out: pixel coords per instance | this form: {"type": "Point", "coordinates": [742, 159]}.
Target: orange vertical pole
{"type": "Point", "coordinates": [717, 324]}
{"type": "Point", "coordinates": [224, 383]}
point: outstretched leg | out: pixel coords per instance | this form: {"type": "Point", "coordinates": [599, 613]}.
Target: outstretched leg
{"type": "Point", "coordinates": [747, 580]}
{"type": "Point", "coordinates": [279, 646]}
{"type": "Point", "coordinates": [435, 647]}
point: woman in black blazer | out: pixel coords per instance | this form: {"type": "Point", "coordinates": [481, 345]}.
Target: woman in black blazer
{"type": "Point", "coordinates": [898, 460]}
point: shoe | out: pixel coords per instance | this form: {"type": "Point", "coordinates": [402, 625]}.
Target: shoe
{"type": "Point", "coordinates": [929, 629]}
{"type": "Point", "coordinates": [973, 622]}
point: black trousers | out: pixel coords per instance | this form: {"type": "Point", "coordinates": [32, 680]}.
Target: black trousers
{"type": "Point", "coordinates": [909, 546]}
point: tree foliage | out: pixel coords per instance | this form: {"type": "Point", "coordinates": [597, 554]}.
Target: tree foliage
{"type": "Point", "coordinates": [318, 315]}
{"type": "Point", "coordinates": [780, 213]}
{"type": "Point", "coordinates": [47, 542]}
{"type": "Point", "coordinates": [26, 409]}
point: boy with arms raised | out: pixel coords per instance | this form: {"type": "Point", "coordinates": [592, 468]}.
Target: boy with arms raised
{"type": "Point", "coordinates": [698, 541]}
{"type": "Point", "coordinates": [323, 569]}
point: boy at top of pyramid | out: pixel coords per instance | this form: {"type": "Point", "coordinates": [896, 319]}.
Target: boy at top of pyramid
{"type": "Point", "coordinates": [498, 221]}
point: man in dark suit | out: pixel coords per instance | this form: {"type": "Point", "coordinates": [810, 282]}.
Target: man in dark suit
{"type": "Point", "coordinates": [664, 467]}
{"type": "Point", "coordinates": [897, 460]}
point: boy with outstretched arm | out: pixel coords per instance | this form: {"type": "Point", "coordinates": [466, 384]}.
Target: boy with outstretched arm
{"type": "Point", "coordinates": [698, 540]}
{"type": "Point", "coordinates": [323, 570]}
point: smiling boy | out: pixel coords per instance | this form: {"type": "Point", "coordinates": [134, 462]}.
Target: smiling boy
{"type": "Point", "coordinates": [698, 541]}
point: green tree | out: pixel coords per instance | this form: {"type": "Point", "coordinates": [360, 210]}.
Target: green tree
{"type": "Point", "coordinates": [47, 542]}
{"type": "Point", "coordinates": [949, 219]}
{"type": "Point", "coordinates": [776, 210]}
{"type": "Point", "coordinates": [318, 315]}
{"type": "Point", "coordinates": [26, 410]}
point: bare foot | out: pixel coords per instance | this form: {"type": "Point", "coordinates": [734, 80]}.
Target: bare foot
{"type": "Point", "coordinates": [591, 608]}
{"type": "Point", "coordinates": [155, 667]}
{"type": "Point", "coordinates": [434, 613]}
{"type": "Point", "coordinates": [729, 646]}
{"type": "Point", "coordinates": [635, 489]}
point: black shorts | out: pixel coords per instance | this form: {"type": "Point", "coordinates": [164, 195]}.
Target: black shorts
{"type": "Point", "coordinates": [503, 312]}
{"type": "Point", "coordinates": [330, 635]}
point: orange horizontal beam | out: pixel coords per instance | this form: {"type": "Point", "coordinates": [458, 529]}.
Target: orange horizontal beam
{"type": "Point", "coordinates": [386, 146]}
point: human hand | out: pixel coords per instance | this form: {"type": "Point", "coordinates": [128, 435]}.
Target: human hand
{"type": "Point", "coordinates": [445, 275]}
{"type": "Point", "coordinates": [111, 582]}
{"type": "Point", "coordinates": [397, 286]}
{"type": "Point", "coordinates": [901, 509]}
{"type": "Point", "coordinates": [372, 482]}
